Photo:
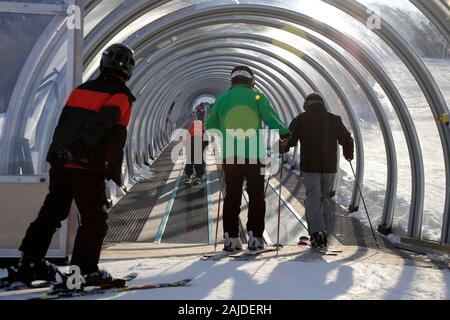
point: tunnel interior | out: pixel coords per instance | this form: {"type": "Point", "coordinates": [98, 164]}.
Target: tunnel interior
{"type": "Point", "coordinates": [383, 66]}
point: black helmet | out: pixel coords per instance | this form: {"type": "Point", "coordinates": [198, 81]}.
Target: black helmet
{"type": "Point", "coordinates": [312, 99]}
{"type": "Point", "coordinates": [118, 59]}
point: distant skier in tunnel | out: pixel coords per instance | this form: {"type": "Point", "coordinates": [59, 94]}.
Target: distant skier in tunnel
{"type": "Point", "coordinates": [86, 148]}
{"type": "Point", "coordinates": [238, 114]}
{"type": "Point", "coordinates": [195, 146]}
{"type": "Point", "coordinates": [319, 132]}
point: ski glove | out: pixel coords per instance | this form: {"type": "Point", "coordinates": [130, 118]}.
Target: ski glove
{"type": "Point", "coordinates": [284, 142]}
{"type": "Point", "coordinates": [64, 156]}
{"type": "Point", "coordinates": [348, 156]}
{"type": "Point", "coordinates": [79, 150]}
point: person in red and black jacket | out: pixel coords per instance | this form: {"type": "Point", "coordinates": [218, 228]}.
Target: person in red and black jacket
{"type": "Point", "coordinates": [86, 148]}
{"type": "Point", "coordinates": [195, 147]}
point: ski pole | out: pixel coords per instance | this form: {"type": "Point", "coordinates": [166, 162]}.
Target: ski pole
{"type": "Point", "coordinates": [218, 207]}
{"type": "Point", "coordinates": [267, 184]}
{"type": "Point", "coordinates": [279, 204]}
{"type": "Point", "coordinates": [364, 203]}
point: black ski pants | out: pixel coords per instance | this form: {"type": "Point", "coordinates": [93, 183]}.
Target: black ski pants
{"type": "Point", "coordinates": [234, 178]}
{"type": "Point", "coordinates": [87, 188]}
{"type": "Point", "coordinates": [194, 157]}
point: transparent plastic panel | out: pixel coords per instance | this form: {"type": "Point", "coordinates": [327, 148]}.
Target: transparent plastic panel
{"type": "Point", "coordinates": [14, 53]}
{"type": "Point", "coordinates": [136, 25]}
{"type": "Point", "coordinates": [41, 88]}
{"type": "Point", "coordinates": [418, 108]}
{"type": "Point", "coordinates": [99, 12]}
{"type": "Point", "coordinates": [413, 25]}
{"type": "Point", "coordinates": [39, 121]}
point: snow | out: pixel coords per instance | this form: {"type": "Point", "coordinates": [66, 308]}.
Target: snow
{"type": "Point", "coordinates": [141, 174]}
{"type": "Point", "coordinates": [278, 279]}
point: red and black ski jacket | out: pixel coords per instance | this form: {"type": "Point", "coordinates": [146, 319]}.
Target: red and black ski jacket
{"type": "Point", "coordinates": [92, 130]}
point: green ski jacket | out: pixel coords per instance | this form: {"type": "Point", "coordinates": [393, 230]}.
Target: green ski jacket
{"type": "Point", "coordinates": [239, 114]}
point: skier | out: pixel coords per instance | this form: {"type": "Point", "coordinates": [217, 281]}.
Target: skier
{"type": "Point", "coordinates": [238, 114]}
{"type": "Point", "coordinates": [319, 132]}
{"type": "Point", "coordinates": [195, 147]}
{"type": "Point", "coordinates": [86, 148]}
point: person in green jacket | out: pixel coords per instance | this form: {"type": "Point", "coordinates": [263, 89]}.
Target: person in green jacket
{"type": "Point", "coordinates": [239, 114]}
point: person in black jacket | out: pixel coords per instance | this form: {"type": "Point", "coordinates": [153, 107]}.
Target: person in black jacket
{"type": "Point", "coordinates": [319, 132]}
{"type": "Point", "coordinates": [86, 148]}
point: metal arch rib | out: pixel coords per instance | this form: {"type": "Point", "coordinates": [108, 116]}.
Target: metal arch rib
{"type": "Point", "coordinates": [116, 21]}
{"type": "Point", "coordinates": [26, 86]}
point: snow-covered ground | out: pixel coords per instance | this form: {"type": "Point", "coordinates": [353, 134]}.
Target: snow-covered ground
{"type": "Point", "coordinates": [275, 279]}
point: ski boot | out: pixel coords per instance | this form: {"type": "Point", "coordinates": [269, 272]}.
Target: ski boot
{"type": "Point", "coordinates": [304, 241]}
{"type": "Point", "coordinates": [103, 280]}
{"type": "Point", "coordinates": [198, 180]}
{"type": "Point", "coordinates": [323, 241]}
{"type": "Point", "coordinates": [98, 280]}
{"type": "Point", "coordinates": [319, 241]}
{"type": "Point", "coordinates": [232, 244]}
{"type": "Point", "coordinates": [30, 270]}
{"type": "Point", "coordinates": [314, 240]}
{"type": "Point", "coordinates": [187, 180]}
{"type": "Point", "coordinates": [255, 243]}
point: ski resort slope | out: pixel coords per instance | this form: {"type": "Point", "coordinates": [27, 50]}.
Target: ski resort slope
{"type": "Point", "coordinates": [287, 277]}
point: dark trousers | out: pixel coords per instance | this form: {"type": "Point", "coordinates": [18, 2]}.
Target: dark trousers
{"type": "Point", "coordinates": [199, 169]}
{"type": "Point", "coordinates": [87, 188]}
{"type": "Point", "coordinates": [194, 157]}
{"type": "Point", "coordinates": [234, 178]}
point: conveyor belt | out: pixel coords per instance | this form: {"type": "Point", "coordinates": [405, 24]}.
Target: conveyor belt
{"type": "Point", "coordinates": [128, 216]}
{"type": "Point", "coordinates": [188, 220]}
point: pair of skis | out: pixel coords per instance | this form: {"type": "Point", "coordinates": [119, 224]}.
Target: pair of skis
{"type": "Point", "coordinates": [54, 292]}
{"type": "Point", "coordinates": [237, 254]}
{"type": "Point", "coordinates": [91, 291]}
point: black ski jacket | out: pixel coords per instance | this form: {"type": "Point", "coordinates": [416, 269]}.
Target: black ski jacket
{"type": "Point", "coordinates": [319, 132]}
{"type": "Point", "coordinates": [92, 130]}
